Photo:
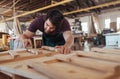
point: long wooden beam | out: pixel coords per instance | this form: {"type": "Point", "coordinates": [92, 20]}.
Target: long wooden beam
{"type": "Point", "coordinates": [5, 2]}
{"type": "Point", "coordinates": [94, 7]}
{"type": "Point", "coordinates": [2, 1]}
{"type": "Point", "coordinates": [40, 9]}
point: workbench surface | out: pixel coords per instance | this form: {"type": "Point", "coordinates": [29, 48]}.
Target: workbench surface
{"type": "Point", "coordinates": [99, 63]}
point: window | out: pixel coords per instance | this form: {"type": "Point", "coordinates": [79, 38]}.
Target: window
{"type": "Point", "coordinates": [2, 27]}
{"type": "Point", "coordinates": [107, 23]}
{"type": "Point", "coordinates": [84, 27]}
{"type": "Point", "coordinates": [118, 23]}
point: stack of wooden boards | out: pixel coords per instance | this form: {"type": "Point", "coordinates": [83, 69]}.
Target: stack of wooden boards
{"type": "Point", "coordinates": [99, 63]}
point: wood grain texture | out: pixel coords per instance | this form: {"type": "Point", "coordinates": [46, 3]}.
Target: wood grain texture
{"type": "Point", "coordinates": [106, 50]}
{"type": "Point", "coordinates": [107, 57]}
{"type": "Point", "coordinates": [52, 65]}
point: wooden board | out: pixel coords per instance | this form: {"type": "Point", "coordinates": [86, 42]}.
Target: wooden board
{"type": "Point", "coordinates": [61, 70]}
{"type": "Point", "coordinates": [49, 65]}
{"type": "Point", "coordinates": [5, 57]}
{"type": "Point", "coordinates": [96, 64]}
{"type": "Point", "coordinates": [106, 50]}
{"type": "Point", "coordinates": [107, 57]}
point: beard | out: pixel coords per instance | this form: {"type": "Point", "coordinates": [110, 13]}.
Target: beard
{"type": "Point", "coordinates": [50, 32]}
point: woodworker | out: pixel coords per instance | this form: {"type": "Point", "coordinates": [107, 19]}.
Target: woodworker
{"type": "Point", "coordinates": [56, 31]}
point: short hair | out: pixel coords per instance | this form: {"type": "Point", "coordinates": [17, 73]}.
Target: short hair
{"type": "Point", "coordinates": [55, 17]}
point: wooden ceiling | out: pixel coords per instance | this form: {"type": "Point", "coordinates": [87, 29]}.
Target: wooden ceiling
{"type": "Point", "coordinates": [22, 6]}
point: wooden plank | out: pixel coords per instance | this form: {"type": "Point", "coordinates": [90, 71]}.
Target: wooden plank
{"type": "Point", "coordinates": [23, 72]}
{"type": "Point", "coordinates": [77, 65]}
{"type": "Point", "coordinates": [106, 50]}
{"type": "Point", "coordinates": [20, 68]}
{"type": "Point", "coordinates": [107, 57]}
{"type": "Point", "coordinates": [95, 64]}
{"type": "Point", "coordinates": [104, 66]}
{"type": "Point", "coordinates": [7, 52]}
{"type": "Point", "coordinates": [4, 53]}
{"type": "Point", "coordinates": [6, 56]}
{"type": "Point", "coordinates": [20, 58]}
{"type": "Point", "coordinates": [27, 57]}
{"type": "Point", "coordinates": [51, 76]}
{"type": "Point", "coordinates": [68, 71]}
{"type": "Point", "coordinates": [23, 55]}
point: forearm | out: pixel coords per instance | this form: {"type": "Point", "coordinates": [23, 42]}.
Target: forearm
{"type": "Point", "coordinates": [27, 35]}
{"type": "Point", "coordinates": [26, 39]}
{"type": "Point", "coordinates": [69, 40]}
{"type": "Point", "coordinates": [23, 36]}
{"type": "Point", "coordinates": [66, 48]}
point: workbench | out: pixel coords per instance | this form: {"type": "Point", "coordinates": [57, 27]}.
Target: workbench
{"type": "Point", "coordinates": [99, 63]}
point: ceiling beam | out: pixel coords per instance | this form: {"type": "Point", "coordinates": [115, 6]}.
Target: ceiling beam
{"type": "Point", "coordinates": [35, 5]}
{"type": "Point", "coordinates": [5, 3]}
{"type": "Point", "coordinates": [9, 11]}
{"type": "Point", "coordinates": [2, 1]}
{"type": "Point", "coordinates": [27, 4]}
{"type": "Point", "coordinates": [93, 7]}
{"type": "Point", "coordinates": [40, 9]}
{"type": "Point", "coordinates": [22, 4]}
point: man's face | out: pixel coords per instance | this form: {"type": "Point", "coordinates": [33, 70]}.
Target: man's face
{"type": "Point", "coordinates": [49, 27]}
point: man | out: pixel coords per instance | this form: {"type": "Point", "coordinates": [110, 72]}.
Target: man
{"type": "Point", "coordinates": [56, 31]}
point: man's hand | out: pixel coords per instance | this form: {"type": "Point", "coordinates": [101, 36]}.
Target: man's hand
{"type": "Point", "coordinates": [66, 48]}
{"type": "Point", "coordinates": [27, 43]}
{"type": "Point", "coordinates": [63, 49]}
{"type": "Point", "coordinates": [25, 37]}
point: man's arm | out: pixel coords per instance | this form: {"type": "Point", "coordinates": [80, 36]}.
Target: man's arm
{"type": "Point", "coordinates": [25, 37]}
{"type": "Point", "coordinates": [66, 48]}
{"type": "Point", "coordinates": [68, 38]}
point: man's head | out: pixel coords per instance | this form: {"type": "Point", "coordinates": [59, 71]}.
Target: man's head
{"type": "Point", "coordinates": [53, 21]}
